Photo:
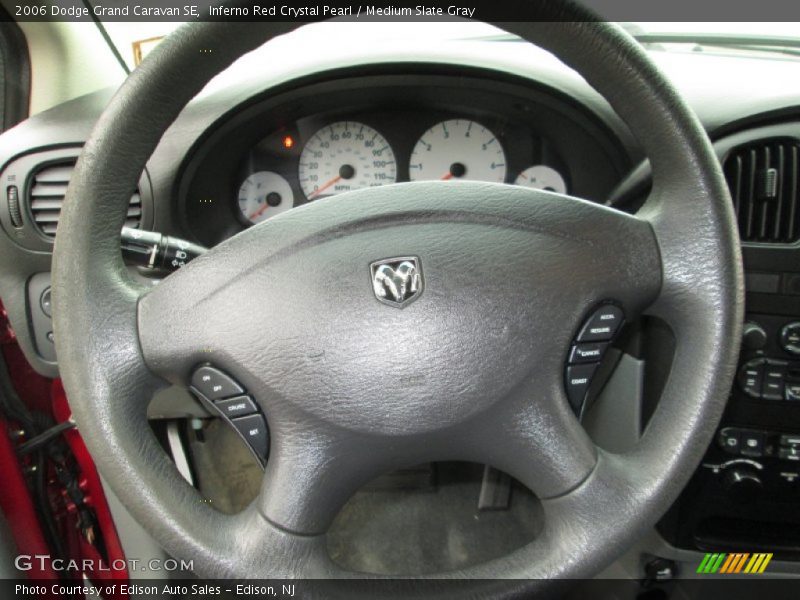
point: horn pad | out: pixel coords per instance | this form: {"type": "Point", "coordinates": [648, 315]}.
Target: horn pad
{"type": "Point", "coordinates": [397, 309]}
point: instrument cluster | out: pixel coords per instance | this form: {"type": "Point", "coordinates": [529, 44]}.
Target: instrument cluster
{"type": "Point", "coordinates": [323, 155]}
{"type": "Point", "coordinates": [375, 126]}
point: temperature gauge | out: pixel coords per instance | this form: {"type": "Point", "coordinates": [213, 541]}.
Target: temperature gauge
{"type": "Point", "coordinates": [541, 177]}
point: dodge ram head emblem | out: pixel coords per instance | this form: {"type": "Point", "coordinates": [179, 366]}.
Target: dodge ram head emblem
{"type": "Point", "coordinates": [397, 281]}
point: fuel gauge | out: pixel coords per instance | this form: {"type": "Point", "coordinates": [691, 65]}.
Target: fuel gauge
{"type": "Point", "coordinates": [264, 194]}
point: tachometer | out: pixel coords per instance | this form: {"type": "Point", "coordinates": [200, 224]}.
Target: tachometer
{"type": "Point", "coordinates": [458, 149]}
{"type": "Point", "coordinates": [345, 156]}
{"type": "Point", "coordinates": [542, 177]}
{"type": "Point", "coordinates": [263, 195]}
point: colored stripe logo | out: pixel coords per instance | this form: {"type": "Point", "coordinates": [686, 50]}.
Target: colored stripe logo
{"type": "Point", "coordinates": [737, 562]}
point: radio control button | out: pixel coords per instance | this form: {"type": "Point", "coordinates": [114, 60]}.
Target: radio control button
{"type": "Point", "coordinates": [751, 377]}
{"type": "Point", "coordinates": [753, 336]}
{"type": "Point", "coordinates": [729, 440]}
{"type": "Point", "coordinates": [790, 338]}
{"type": "Point", "coordinates": [774, 380]}
{"type": "Point", "coordinates": [752, 443]}
{"type": "Point", "coordinates": [789, 439]}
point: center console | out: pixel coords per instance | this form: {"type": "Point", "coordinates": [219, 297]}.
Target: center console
{"type": "Point", "coordinates": [746, 494]}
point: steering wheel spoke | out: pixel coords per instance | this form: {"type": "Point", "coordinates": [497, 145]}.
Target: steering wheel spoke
{"type": "Point", "coordinates": [311, 473]}
{"type": "Point", "coordinates": [534, 436]}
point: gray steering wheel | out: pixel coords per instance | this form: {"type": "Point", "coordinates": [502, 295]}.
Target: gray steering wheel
{"type": "Point", "coordinates": [352, 388]}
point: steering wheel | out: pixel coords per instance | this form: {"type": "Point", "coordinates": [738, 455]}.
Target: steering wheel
{"type": "Point", "coordinates": [352, 387]}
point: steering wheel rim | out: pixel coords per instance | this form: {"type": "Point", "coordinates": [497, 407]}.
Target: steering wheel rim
{"type": "Point", "coordinates": [596, 503]}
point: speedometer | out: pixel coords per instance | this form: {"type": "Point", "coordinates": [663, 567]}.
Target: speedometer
{"type": "Point", "coordinates": [458, 149]}
{"type": "Point", "coordinates": [345, 156]}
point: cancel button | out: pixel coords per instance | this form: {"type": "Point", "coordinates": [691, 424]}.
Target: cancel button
{"type": "Point", "coordinates": [586, 353]}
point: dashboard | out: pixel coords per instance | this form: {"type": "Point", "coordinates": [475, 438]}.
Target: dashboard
{"type": "Point", "coordinates": [373, 130]}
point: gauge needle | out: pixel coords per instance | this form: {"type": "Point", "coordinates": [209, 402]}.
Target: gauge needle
{"type": "Point", "coordinates": [259, 211]}
{"type": "Point", "coordinates": [447, 176]}
{"type": "Point", "coordinates": [325, 186]}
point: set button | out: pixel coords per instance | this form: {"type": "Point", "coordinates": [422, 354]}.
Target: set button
{"type": "Point", "coordinates": [253, 429]}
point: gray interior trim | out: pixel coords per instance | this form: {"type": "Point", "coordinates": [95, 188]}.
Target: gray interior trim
{"type": "Point", "coordinates": [614, 420]}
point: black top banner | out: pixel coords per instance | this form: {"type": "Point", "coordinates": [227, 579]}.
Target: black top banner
{"type": "Point", "coordinates": [419, 10]}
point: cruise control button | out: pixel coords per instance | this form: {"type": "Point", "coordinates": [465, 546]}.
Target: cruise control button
{"type": "Point", "coordinates": [254, 430]}
{"type": "Point", "coordinates": [603, 325]}
{"type": "Point", "coordinates": [214, 384]}
{"type": "Point", "coordinates": [579, 377]}
{"type": "Point", "coordinates": [584, 353]}
{"type": "Point", "coordinates": [236, 407]}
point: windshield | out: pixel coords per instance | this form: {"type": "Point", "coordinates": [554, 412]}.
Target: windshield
{"type": "Point", "coordinates": [755, 30]}
{"type": "Point", "coordinates": [133, 40]}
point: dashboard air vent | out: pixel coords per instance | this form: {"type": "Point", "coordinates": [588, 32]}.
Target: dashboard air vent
{"type": "Point", "coordinates": [764, 179]}
{"type": "Point", "coordinates": [46, 195]}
